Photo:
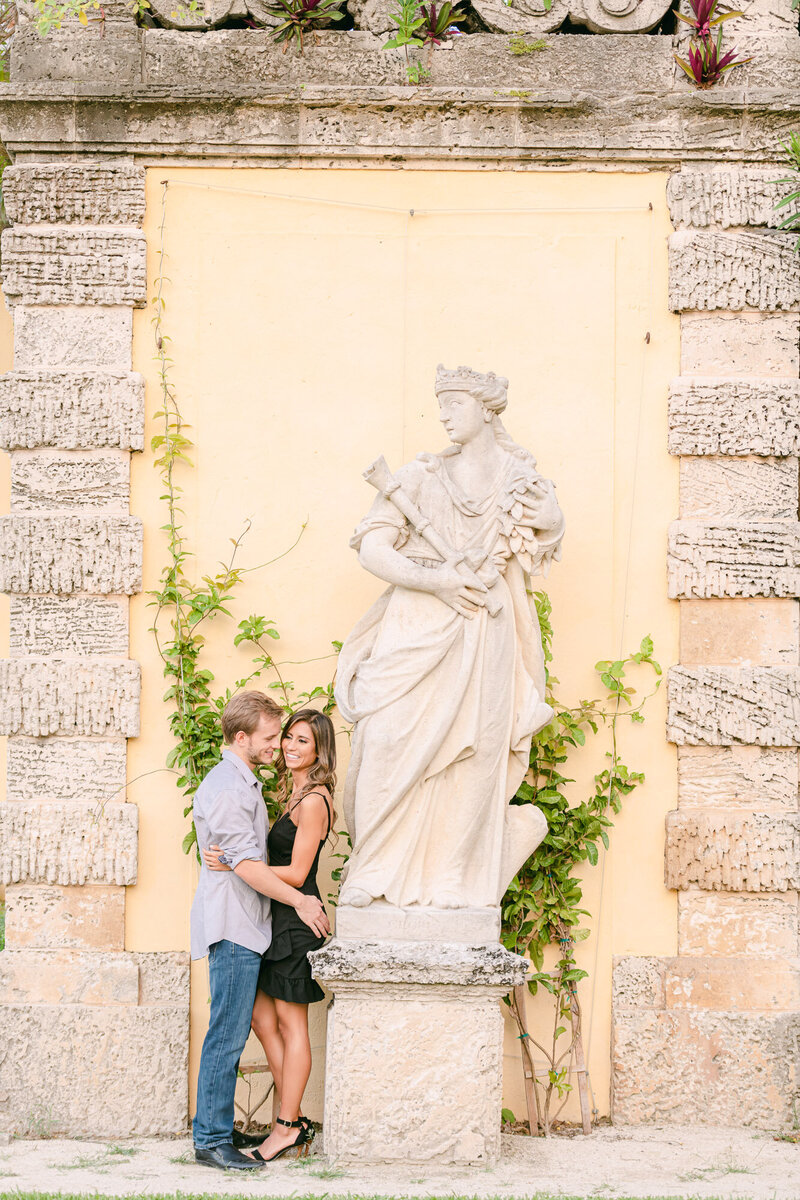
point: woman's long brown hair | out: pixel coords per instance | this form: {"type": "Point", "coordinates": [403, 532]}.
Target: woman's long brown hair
{"type": "Point", "coordinates": [323, 771]}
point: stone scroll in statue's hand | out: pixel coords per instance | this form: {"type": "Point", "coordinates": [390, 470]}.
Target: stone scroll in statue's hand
{"type": "Point", "coordinates": [444, 677]}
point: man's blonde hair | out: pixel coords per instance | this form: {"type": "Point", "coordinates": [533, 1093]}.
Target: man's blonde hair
{"type": "Point", "coordinates": [244, 711]}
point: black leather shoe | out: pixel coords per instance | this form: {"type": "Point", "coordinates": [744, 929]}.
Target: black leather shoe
{"type": "Point", "coordinates": [245, 1140]}
{"type": "Point", "coordinates": [225, 1158]}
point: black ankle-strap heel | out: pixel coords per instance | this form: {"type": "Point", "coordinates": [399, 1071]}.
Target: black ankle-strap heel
{"type": "Point", "coordinates": [300, 1144]}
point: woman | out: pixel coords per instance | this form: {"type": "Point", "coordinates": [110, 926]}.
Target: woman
{"type": "Point", "coordinates": [444, 676]}
{"type": "Point", "coordinates": [306, 768]}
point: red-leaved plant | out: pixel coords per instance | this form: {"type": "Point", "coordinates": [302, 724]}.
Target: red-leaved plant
{"type": "Point", "coordinates": [298, 17]}
{"type": "Point", "coordinates": [707, 64]}
{"type": "Point", "coordinates": [437, 21]}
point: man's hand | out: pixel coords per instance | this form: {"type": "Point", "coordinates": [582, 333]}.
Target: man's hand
{"type": "Point", "coordinates": [310, 910]}
{"type": "Point", "coordinates": [454, 590]}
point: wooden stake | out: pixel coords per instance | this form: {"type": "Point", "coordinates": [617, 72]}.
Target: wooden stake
{"type": "Point", "coordinates": [580, 1062]}
{"type": "Point", "coordinates": [520, 993]}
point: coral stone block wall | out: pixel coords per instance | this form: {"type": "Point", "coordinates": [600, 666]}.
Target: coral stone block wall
{"type": "Point", "coordinates": [714, 1034]}
{"type": "Point", "coordinates": [86, 1026]}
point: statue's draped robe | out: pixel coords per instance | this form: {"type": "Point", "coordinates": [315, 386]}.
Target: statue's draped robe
{"type": "Point", "coordinates": [444, 706]}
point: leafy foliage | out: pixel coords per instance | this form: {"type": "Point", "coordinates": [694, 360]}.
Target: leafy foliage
{"type": "Point", "coordinates": [704, 17]}
{"type": "Point", "coordinates": [436, 22]}
{"type": "Point", "coordinates": [791, 150]}
{"type": "Point", "coordinates": [542, 905]}
{"type": "Point", "coordinates": [300, 17]}
{"type": "Point", "coordinates": [420, 25]}
{"type": "Point", "coordinates": [519, 46]}
{"type": "Point", "coordinates": [185, 607]}
{"type": "Point", "coordinates": [51, 14]}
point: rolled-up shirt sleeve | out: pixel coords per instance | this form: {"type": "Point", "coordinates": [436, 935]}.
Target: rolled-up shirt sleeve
{"type": "Point", "coordinates": [230, 825]}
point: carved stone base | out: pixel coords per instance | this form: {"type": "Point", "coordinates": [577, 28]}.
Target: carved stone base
{"type": "Point", "coordinates": [410, 1022]}
{"type": "Point", "coordinates": [379, 920]}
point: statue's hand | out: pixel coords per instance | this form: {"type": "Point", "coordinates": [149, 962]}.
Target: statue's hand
{"type": "Point", "coordinates": [454, 590]}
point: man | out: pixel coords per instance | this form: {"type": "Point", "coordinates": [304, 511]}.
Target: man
{"type": "Point", "coordinates": [230, 919]}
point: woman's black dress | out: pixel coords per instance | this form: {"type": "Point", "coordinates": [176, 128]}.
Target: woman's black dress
{"type": "Point", "coordinates": [285, 970]}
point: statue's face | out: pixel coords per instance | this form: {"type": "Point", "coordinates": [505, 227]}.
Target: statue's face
{"type": "Point", "coordinates": [462, 415]}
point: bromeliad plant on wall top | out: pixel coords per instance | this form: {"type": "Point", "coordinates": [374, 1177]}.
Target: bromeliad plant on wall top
{"type": "Point", "coordinates": [707, 64]}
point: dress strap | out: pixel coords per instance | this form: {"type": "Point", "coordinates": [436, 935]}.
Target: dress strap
{"type": "Point", "coordinates": [327, 806]}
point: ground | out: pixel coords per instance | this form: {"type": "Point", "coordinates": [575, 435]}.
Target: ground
{"type": "Point", "coordinates": [682, 1162]}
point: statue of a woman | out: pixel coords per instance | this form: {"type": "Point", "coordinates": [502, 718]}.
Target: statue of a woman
{"type": "Point", "coordinates": [444, 676]}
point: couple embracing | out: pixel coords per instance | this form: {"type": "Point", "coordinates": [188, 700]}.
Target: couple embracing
{"type": "Point", "coordinates": [256, 914]}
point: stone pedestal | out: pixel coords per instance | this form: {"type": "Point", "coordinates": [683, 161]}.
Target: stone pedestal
{"type": "Point", "coordinates": [414, 1064]}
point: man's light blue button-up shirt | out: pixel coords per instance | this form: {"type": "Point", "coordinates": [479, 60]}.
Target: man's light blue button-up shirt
{"type": "Point", "coordinates": [229, 811]}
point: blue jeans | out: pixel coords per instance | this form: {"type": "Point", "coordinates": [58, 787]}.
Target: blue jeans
{"type": "Point", "coordinates": [233, 979]}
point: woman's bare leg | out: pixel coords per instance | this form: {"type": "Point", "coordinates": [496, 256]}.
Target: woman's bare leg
{"type": "Point", "coordinates": [296, 1068]}
{"type": "Point", "coordinates": [264, 1024]}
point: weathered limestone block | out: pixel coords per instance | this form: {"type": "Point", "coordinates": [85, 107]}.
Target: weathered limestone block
{"type": "Point", "coordinates": [739, 632]}
{"type": "Point", "coordinates": [65, 554]}
{"type": "Point", "coordinates": [734, 416]}
{"type": "Point", "coordinates": [734, 558]}
{"type": "Point", "coordinates": [718, 923]}
{"type": "Point", "coordinates": [766, 16]}
{"type": "Point", "coordinates": [726, 851]}
{"type": "Point", "coordinates": [726, 196]}
{"type": "Point", "coordinates": [84, 1063]}
{"type": "Point", "coordinates": [415, 1007]}
{"type": "Point", "coordinates": [706, 982]}
{"type": "Point", "coordinates": [68, 977]}
{"type": "Point", "coordinates": [72, 410]}
{"type": "Point", "coordinates": [757, 489]}
{"type": "Point", "coordinates": [59, 626]}
{"type": "Point", "coordinates": [47, 480]}
{"type": "Point", "coordinates": [91, 917]}
{"type": "Point", "coordinates": [63, 769]}
{"type": "Point", "coordinates": [733, 984]}
{"type": "Point", "coordinates": [719, 706]}
{"type": "Point", "coordinates": [68, 265]}
{"type": "Point", "coordinates": [74, 193]}
{"type": "Point", "coordinates": [71, 54]}
{"type": "Point", "coordinates": [688, 1067]}
{"type": "Point", "coordinates": [72, 696]}
{"type": "Point", "coordinates": [638, 982]}
{"type": "Point", "coordinates": [97, 338]}
{"type": "Point", "coordinates": [163, 976]}
{"type": "Point", "coordinates": [762, 344]}
{"type": "Point", "coordinates": [727, 776]}
{"type": "Point", "coordinates": [68, 843]}
{"type": "Point", "coordinates": [733, 271]}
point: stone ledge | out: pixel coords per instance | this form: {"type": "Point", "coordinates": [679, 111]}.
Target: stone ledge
{"type": "Point", "coordinates": [725, 197]}
{"type": "Point", "coordinates": [733, 558]}
{"type": "Point", "coordinates": [721, 706]}
{"type": "Point", "coordinates": [727, 776]}
{"type": "Point", "coordinates": [418, 963]}
{"type": "Point", "coordinates": [74, 193]}
{"type": "Point", "coordinates": [84, 696]}
{"type": "Point", "coordinates": [87, 917]}
{"type": "Point", "coordinates": [733, 271]}
{"type": "Point", "coordinates": [65, 769]}
{"type": "Point", "coordinates": [63, 626]}
{"type": "Point", "coordinates": [101, 1072]}
{"type": "Point", "coordinates": [64, 554]}
{"type": "Point", "coordinates": [699, 1067]}
{"type": "Point", "coordinates": [72, 410]}
{"type": "Point", "coordinates": [72, 266]}
{"type": "Point", "coordinates": [68, 843]}
{"type": "Point", "coordinates": [734, 416]}
{"type": "Point", "coordinates": [726, 851]}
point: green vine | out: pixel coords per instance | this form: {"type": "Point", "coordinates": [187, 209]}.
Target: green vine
{"type": "Point", "coordinates": [186, 607]}
{"type": "Point", "coordinates": [542, 906]}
